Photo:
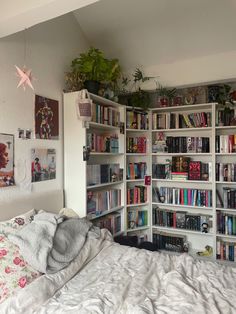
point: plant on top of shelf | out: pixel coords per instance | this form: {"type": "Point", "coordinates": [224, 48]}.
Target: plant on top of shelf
{"type": "Point", "coordinates": [135, 96]}
{"type": "Point", "coordinates": [224, 95]}
{"type": "Point", "coordinates": [91, 69]}
{"type": "Point", "coordinates": [165, 95]}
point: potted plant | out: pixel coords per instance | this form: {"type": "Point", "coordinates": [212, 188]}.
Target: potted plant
{"type": "Point", "coordinates": [135, 96]}
{"type": "Point", "coordinates": [165, 96]}
{"type": "Point", "coordinates": [92, 68]}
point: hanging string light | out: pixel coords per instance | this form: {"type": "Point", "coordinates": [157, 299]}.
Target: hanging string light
{"type": "Point", "coordinates": [24, 74]}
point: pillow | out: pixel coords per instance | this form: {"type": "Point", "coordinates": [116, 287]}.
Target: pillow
{"type": "Point", "coordinates": [68, 212]}
{"type": "Point", "coordinates": [15, 273]}
{"type": "Point", "coordinates": [17, 222]}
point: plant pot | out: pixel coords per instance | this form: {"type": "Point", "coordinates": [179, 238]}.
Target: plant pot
{"type": "Point", "coordinates": [163, 101]}
{"type": "Point", "coordinates": [92, 86]}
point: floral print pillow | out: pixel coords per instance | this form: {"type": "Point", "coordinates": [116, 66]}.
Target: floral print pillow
{"type": "Point", "coordinates": [15, 273]}
{"type": "Point", "coordinates": [17, 222]}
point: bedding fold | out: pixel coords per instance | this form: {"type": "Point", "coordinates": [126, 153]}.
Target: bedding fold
{"type": "Point", "coordinates": [50, 242]}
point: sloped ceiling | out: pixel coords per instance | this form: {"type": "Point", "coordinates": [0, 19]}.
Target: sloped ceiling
{"type": "Point", "coordinates": [16, 15]}
{"type": "Point", "coordinates": [148, 32]}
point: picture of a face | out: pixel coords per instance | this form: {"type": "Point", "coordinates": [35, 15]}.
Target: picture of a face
{"type": "Point", "coordinates": [4, 158]}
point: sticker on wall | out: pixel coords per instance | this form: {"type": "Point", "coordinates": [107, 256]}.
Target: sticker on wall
{"type": "Point", "coordinates": [43, 164]}
{"type": "Point", "coordinates": [46, 118]}
{"type": "Point", "coordinates": [6, 160]}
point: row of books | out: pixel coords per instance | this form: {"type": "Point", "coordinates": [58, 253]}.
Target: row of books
{"type": "Point", "coordinates": [136, 170]}
{"type": "Point", "coordinates": [229, 198]}
{"type": "Point", "coordinates": [136, 120]}
{"type": "Point", "coordinates": [224, 117]}
{"type": "Point", "coordinates": [99, 201]}
{"type": "Point", "coordinates": [111, 222]}
{"type": "Point", "coordinates": [169, 241]}
{"type": "Point", "coordinates": [98, 174]}
{"type": "Point", "coordinates": [226, 172]}
{"type": "Point", "coordinates": [184, 169]}
{"type": "Point", "coordinates": [226, 223]}
{"type": "Point", "coordinates": [183, 144]}
{"type": "Point", "coordinates": [137, 218]}
{"type": "Point", "coordinates": [179, 196]}
{"type": "Point", "coordinates": [226, 143]}
{"type": "Point", "coordinates": [108, 143]}
{"type": "Point", "coordinates": [141, 235]}
{"type": "Point", "coordinates": [137, 195]}
{"type": "Point", "coordinates": [105, 115]}
{"type": "Point", "coordinates": [136, 144]}
{"type": "Point", "coordinates": [181, 220]}
{"type": "Point", "coordinates": [226, 251]}
{"type": "Point", "coordinates": [178, 120]}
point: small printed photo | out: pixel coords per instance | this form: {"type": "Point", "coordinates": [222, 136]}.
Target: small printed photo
{"type": "Point", "coordinates": [43, 164]}
{"type": "Point", "coordinates": [21, 133]}
{"type": "Point", "coordinates": [28, 133]}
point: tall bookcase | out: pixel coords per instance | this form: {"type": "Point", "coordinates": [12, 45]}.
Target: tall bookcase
{"type": "Point", "coordinates": [76, 185]}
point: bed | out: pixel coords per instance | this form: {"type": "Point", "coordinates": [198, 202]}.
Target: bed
{"type": "Point", "coordinates": [106, 277]}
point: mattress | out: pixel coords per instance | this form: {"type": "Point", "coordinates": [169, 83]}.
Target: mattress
{"type": "Point", "coordinates": [109, 278]}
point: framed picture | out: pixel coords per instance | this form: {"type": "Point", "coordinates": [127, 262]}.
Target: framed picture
{"type": "Point", "coordinates": [46, 118]}
{"type": "Point", "coordinates": [43, 164]}
{"type": "Point", "coordinates": [6, 160]}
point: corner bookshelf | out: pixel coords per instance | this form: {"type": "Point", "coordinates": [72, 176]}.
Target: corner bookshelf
{"type": "Point", "coordinates": [95, 187]}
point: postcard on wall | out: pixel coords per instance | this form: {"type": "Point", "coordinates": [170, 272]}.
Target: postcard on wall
{"type": "Point", "coordinates": [43, 164]}
{"type": "Point", "coordinates": [6, 160]}
{"type": "Point", "coordinates": [46, 118]}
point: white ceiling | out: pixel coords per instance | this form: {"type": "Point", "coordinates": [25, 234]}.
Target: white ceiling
{"type": "Point", "coordinates": [148, 32]}
{"type": "Point", "coordinates": [16, 15]}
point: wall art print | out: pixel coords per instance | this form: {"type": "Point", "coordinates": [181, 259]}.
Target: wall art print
{"type": "Point", "coordinates": [46, 118]}
{"type": "Point", "coordinates": [6, 160]}
{"type": "Point", "coordinates": [43, 164]}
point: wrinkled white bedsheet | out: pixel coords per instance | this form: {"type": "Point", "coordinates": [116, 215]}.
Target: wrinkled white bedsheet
{"type": "Point", "coordinates": [128, 280]}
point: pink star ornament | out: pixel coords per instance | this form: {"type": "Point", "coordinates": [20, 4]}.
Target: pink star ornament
{"type": "Point", "coordinates": [25, 76]}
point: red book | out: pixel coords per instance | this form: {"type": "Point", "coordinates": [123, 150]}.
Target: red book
{"type": "Point", "coordinates": [194, 170]}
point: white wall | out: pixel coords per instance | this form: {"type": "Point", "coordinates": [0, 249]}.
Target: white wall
{"type": "Point", "coordinates": [51, 47]}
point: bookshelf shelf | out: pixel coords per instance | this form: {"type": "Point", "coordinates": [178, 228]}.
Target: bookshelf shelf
{"type": "Point", "coordinates": [136, 154]}
{"type": "Point", "coordinates": [226, 209]}
{"type": "Point", "coordinates": [105, 154]}
{"type": "Point", "coordinates": [226, 236]}
{"type": "Point", "coordinates": [136, 130]}
{"type": "Point", "coordinates": [135, 180]}
{"type": "Point", "coordinates": [137, 205]}
{"type": "Point", "coordinates": [182, 206]}
{"type": "Point", "coordinates": [97, 186]}
{"type": "Point", "coordinates": [176, 230]}
{"type": "Point", "coordinates": [184, 108]}
{"type": "Point", "coordinates": [182, 154]}
{"type": "Point", "coordinates": [226, 182]}
{"type": "Point", "coordinates": [102, 126]}
{"type": "Point", "coordinates": [138, 228]}
{"type": "Point", "coordinates": [228, 127]}
{"type": "Point", "coordinates": [182, 181]}
{"type": "Point", "coordinates": [225, 154]}
{"type": "Point", "coordinates": [107, 212]}
{"type": "Point", "coordinates": [184, 130]}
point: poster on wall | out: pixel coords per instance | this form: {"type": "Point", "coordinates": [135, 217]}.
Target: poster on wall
{"type": "Point", "coordinates": [6, 160]}
{"type": "Point", "coordinates": [46, 118]}
{"type": "Point", "coordinates": [43, 164]}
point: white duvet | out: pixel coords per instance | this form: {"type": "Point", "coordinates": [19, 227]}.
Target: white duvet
{"type": "Point", "coordinates": [109, 278]}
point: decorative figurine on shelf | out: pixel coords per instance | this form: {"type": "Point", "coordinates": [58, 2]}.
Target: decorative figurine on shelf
{"type": "Point", "coordinates": [186, 247]}
{"type": "Point", "coordinates": [114, 177]}
{"type": "Point", "coordinates": [207, 252]}
{"type": "Point", "coordinates": [205, 227]}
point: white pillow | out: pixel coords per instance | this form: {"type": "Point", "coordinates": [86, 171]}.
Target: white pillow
{"type": "Point", "coordinates": [17, 222]}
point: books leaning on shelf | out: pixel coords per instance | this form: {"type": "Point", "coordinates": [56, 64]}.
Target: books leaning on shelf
{"type": "Point", "coordinates": [178, 196]}
{"type": "Point", "coordinates": [169, 241]}
{"type": "Point", "coordinates": [137, 218]}
{"type": "Point", "coordinates": [182, 168]}
{"type": "Point", "coordinates": [106, 173]}
{"type": "Point", "coordinates": [100, 201]}
{"type": "Point", "coordinates": [229, 198]}
{"type": "Point", "coordinates": [226, 223]}
{"type": "Point", "coordinates": [224, 117]}
{"type": "Point", "coordinates": [226, 143]}
{"type": "Point", "coordinates": [225, 172]}
{"type": "Point", "coordinates": [226, 250]}
{"type": "Point", "coordinates": [179, 121]}
{"type": "Point", "coordinates": [136, 120]}
{"type": "Point", "coordinates": [136, 170]}
{"type": "Point", "coordinates": [104, 114]}
{"type": "Point", "coordinates": [136, 195]}
{"type": "Point", "coordinates": [103, 143]}
{"type": "Point", "coordinates": [111, 222]}
{"type": "Point", "coordinates": [136, 144]}
{"type": "Point", "coordinates": [180, 220]}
